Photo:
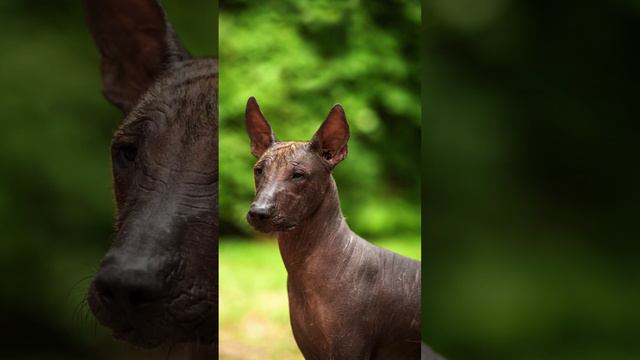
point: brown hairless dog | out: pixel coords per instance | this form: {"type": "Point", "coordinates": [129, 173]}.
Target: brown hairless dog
{"type": "Point", "coordinates": [348, 299]}
{"type": "Point", "coordinates": [157, 284]}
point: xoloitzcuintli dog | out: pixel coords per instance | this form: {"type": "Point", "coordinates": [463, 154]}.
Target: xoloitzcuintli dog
{"type": "Point", "coordinates": [157, 284]}
{"type": "Point", "coordinates": [348, 299]}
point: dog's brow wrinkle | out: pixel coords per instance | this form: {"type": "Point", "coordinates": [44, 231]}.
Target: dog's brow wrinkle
{"type": "Point", "coordinates": [131, 125]}
{"type": "Point", "coordinates": [192, 206]}
{"type": "Point", "coordinates": [284, 151]}
{"type": "Point", "coordinates": [202, 173]}
{"type": "Point", "coordinates": [184, 94]}
{"type": "Point", "coordinates": [159, 164]}
{"type": "Point", "coordinates": [147, 188]}
{"type": "Point", "coordinates": [198, 196]}
{"type": "Point", "coordinates": [206, 183]}
{"type": "Point", "coordinates": [147, 174]}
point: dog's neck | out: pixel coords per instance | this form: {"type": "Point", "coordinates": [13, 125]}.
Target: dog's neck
{"type": "Point", "coordinates": [324, 233]}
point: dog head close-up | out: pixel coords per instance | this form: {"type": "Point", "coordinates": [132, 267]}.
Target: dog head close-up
{"type": "Point", "coordinates": [157, 284]}
{"type": "Point", "coordinates": [292, 177]}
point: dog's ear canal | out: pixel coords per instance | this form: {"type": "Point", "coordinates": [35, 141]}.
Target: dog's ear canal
{"type": "Point", "coordinates": [258, 129]}
{"type": "Point", "coordinates": [330, 141]}
{"type": "Point", "coordinates": [136, 44]}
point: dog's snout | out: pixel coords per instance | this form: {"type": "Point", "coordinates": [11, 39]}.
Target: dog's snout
{"type": "Point", "coordinates": [128, 287]}
{"type": "Point", "coordinates": [260, 212]}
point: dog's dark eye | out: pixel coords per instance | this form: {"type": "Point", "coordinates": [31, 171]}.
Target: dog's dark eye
{"type": "Point", "coordinates": [129, 153]}
{"type": "Point", "coordinates": [297, 175]}
{"type": "Point", "coordinates": [124, 155]}
{"type": "Point", "coordinates": [257, 171]}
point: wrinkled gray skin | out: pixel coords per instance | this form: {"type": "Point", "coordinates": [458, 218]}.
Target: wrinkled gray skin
{"type": "Point", "coordinates": [348, 299]}
{"type": "Point", "coordinates": [157, 284]}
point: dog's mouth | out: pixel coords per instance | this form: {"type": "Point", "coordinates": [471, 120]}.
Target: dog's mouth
{"type": "Point", "coordinates": [185, 319]}
{"type": "Point", "coordinates": [150, 334]}
{"type": "Point", "coordinates": [137, 338]}
{"type": "Point", "coordinates": [140, 334]}
{"type": "Point", "coordinates": [285, 227]}
{"type": "Point", "coordinates": [273, 226]}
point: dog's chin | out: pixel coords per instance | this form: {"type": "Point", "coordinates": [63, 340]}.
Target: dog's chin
{"type": "Point", "coordinates": [139, 340]}
{"type": "Point", "coordinates": [151, 330]}
{"type": "Point", "coordinates": [148, 339]}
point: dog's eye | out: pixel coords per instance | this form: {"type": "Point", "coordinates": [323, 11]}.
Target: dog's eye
{"type": "Point", "coordinates": [298, 175]}
{"type": "Point", "coordinates": [129, 153]}
{"type": "Point", "coordinates": [257, 171]}
{"type": "Point", "coordinates": [125, 154]}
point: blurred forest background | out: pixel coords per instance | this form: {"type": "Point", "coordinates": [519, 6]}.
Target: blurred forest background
{"type": "Point", "coordinates": [299, 58]}
{"type": "Point", "coordinates": [55, 181]}
{"type": "Point", "coordinates": [530, 179]}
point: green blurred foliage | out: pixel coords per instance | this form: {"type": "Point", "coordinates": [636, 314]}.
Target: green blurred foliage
{"type": "Point", "coordinates": [531, 246]}
{"type": "Point", "coordinates": [299, 58]}
{"type": "Point", "coordinates": [55, 182]}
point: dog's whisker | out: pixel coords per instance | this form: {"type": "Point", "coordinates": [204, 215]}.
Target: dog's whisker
{"type": "Point", "coordinates": [169, 350]}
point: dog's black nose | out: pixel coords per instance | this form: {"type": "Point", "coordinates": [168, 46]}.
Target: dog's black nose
{"type": "Point", "coordinates": [260, 212]}
{"type": "Point", "coordinates": [128, 287]}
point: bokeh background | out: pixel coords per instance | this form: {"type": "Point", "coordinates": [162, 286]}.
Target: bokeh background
{"type": "Point", "coordinates": [55, 182]}
{"type": "Point", "coordinates": [299, 58]}
{"type": "Point", "coordinates": [530, 179]}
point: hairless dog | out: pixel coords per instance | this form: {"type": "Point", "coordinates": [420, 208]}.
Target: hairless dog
{"type": "Point", "coordinates": [157, 284]}
{"type": "Point", "coordinates": [348, 299]}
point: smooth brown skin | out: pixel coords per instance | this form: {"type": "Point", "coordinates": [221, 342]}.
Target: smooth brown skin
{"type": "Point", "coordinates": [348, 299]}
{"type": "Point", "coordinates": [157, 284]}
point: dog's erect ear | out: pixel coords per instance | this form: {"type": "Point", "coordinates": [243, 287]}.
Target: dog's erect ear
{"type": "Point", "coordinates": [330, 141]}
{"type": "Point", "coordinates": [258, 129]}
{"type": "Point", "coordinates": [136, 43]}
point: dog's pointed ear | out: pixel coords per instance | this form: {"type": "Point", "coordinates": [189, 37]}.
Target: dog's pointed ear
{"type": "Point", "coordinates": [136, 44]}
{"type": "Point", "coordinates": [330, 141]}
{"type": "Point", "coordinates": [258, 129]}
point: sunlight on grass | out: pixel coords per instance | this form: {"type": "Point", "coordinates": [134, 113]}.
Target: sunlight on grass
{"type": "Point", "coordinates": [254, 313]}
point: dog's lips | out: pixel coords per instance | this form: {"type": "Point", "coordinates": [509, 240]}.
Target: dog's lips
{"type": "Point", "coordinates": [262, 227]}
{"type": "Point", "coordinates": [123, 333]}
{"type": "Point", "coordinates": [269, 227]}
{"type": "Point", "coordinates": [283, 227]}
{"type": "Point", "coordinates": [130, 335]}
{"type": "Point", "coordinates": [145, 328]}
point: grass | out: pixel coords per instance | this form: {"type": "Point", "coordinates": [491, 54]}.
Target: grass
{"type": "Point", "coordinates": [254, 315]}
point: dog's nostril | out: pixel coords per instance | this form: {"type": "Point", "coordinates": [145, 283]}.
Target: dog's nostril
{"type": "Point", "coordinates": [127, 289]}
{"type": "Point", "coordinates": [106, 295]}
{"type": "Point", "coordinates": [103, 290]}
{"type": "Point", "coordinates": [137, 298]}
{"type": "Point", "coordinates": [260, 213]}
